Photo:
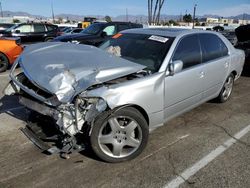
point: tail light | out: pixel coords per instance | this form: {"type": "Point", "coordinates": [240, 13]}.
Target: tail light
{"type": "Point", "coordinates": [59, 33]}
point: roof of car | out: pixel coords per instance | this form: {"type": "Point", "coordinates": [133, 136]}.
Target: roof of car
{"type": "Point", "coordinates": [116, 22]}
{"type": "Point", "coordinates": [167, 32]}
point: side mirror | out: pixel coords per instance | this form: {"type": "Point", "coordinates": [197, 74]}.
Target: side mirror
{"type": "Point", "coordinates": [175, 67]}
{"type": "Point", "coordinates": [17, 31]}
{"type": "Point", "coordinates": [104, 34]}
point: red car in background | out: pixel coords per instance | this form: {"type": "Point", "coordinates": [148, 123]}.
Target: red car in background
{"type": "Point", "coordinates": [10, 49]}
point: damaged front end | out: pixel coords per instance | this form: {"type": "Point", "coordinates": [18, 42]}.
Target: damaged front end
{"type": "Point", "coordinates": [71, 119]}
{"type": "Point", "coordinates": [55, 90]}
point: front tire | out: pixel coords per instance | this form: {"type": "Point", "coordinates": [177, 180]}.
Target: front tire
{"type": "Point", "coordinates": [226, 90]}
{"type": "Point", "coordinates": [4, 62]}
{"type": "Point", "coordinates": [119, 136]}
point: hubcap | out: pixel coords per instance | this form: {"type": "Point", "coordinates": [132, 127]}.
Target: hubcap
{"type": "Point", "coordinates": [120, 137]}
{"type": "Point", "coordinates": [228, 87]}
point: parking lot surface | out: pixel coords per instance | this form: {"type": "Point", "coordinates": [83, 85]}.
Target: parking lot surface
{"type": "Point", "coordinates": [206, 147]}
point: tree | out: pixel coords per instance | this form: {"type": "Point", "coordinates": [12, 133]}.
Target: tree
{"type": "Point", "coordinates": [108, 19]}
{"type": "Point", "coordinates": [197, 24]}
{"type": "Point", "coordinates": [60, 20]}
{"type": "Point", "coordinates": [16, 21]}
{"type": "Point", "coordinates": [154, 16]}
{"type": "Point", "coordinates": [172, 22]}
{"type": "Point", "coordinates": [187, 18]}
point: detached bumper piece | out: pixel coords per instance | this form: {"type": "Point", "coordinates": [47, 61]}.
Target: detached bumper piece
{"type": "Point", "coordinates": [56, 144]}
{"type": "Point", "coordinates": [42, 131]}
{"type": "Point", "coordinates": [36, 140]}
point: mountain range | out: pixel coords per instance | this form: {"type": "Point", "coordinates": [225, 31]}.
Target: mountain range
{"type": "Point", "coordinates": [132, 18]}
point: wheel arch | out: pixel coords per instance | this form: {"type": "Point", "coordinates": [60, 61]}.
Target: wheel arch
{"type": "Point", "coordinates": [141, 110]}
{"type": "Point", "coordinates": [234, 72]}
{"type": "Point", "coordinates": [6, 55]}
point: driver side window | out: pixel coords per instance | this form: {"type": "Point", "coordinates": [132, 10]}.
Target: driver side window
{"type": "Point", "coordinates": [110, 30]}
{"type": "Point", "coordinates": [188, 51]}
{"type": "Point", "coordinates": [24, 28]}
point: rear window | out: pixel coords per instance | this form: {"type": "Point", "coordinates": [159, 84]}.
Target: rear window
{"type": "Point", "coordinates": [122, 27]}
{"type": "Point", "coordinates": [146, 50]}
{"type": "Point", "coordinates": [212, 47]}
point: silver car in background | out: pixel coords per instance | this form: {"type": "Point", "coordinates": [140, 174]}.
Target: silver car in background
{"type": "Point", "coordinates": [132, 84]}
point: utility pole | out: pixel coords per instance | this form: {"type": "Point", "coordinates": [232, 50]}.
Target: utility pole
{"type": "Point", "coordinates": [194, 15]}
{"type": "Point", "coordinates": [126, 15]}
{"type": "Point", "coordinates": [1, 9]}
{"type": "Point", "coordinates": [52, 10]}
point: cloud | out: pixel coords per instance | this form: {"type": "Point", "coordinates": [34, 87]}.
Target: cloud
{"type": "Point", "coordinates": [232, 11]}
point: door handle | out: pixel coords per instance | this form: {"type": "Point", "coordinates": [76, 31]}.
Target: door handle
{"type": "Point", "coordinates": [226, 64]}
{"type": "Point", "coordinates": [202, 74]}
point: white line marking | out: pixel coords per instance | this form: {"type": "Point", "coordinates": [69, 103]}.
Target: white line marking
{"type": "Point", "coordinates": [164, 147]}
{"type": "Point", "coordinates": [185, 175]}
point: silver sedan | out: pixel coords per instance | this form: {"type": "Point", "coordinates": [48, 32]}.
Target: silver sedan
{"type": "Point", "coordinates": [118, 93]}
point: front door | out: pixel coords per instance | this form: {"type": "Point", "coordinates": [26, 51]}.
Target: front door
{"type": "Point", "coordinates": [23, 31]}
{"type": "Point", "coordinates": [183, 91]}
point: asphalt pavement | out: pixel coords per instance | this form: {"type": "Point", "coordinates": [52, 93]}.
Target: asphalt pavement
{"type": "Point", "coordinates": [206, 147]}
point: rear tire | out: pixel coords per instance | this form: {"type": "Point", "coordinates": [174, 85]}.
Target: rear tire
{"type": "Point", "coordinates": [226, 90]}
{"type": "Point", "coordinates": [119, 136]}
{"type": "Point", "coordinates": [4, 62]}
{"type": "Point", "coordinates": [49, 39]}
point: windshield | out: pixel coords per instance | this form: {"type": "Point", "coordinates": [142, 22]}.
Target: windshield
{"type": "Point", "coordinates": [68, 30]}
{"type": "Point", "coordinates": [93, 29]}
{"type": "Point", "coordinates": [11, 28]}
{"type": "Point", "coordinates": [147, 50]}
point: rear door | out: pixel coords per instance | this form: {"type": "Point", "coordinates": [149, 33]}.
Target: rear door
{"type": "Point", "coordinates": [216, 61]}
{"type": "Point", "coordinates": [38, 33]}
{"type": "Point", "coordinates": [183, 91]}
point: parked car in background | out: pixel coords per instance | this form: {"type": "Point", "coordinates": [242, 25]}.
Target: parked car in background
{"type": "Point", "coordinates": [70, 31]}
{"type": "Point", "coordinates": [32, 32]}
{"type": "Point", "coordinates": [10, 49]}
{"type": "Point", "coordinates": [4, 26]}
{"type": "Point", "coordinates": [97, 33]}
{"type": "Point", "coordinates": [243, 36]}
{"type": "Point", "coordinates": [135, 82]}
{"type": "Point", "coordinates": [231, 36]}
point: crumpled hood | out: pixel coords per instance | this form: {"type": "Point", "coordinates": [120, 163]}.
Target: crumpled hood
{"type": "Point", "coordinates": [67, 69]}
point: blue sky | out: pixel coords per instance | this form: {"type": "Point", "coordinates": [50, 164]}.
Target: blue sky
{"type": "Point", "coordinates": [118, 7]}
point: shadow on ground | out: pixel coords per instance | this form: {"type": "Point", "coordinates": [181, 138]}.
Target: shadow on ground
{"type": "Point", "coordinates": [9, 105]}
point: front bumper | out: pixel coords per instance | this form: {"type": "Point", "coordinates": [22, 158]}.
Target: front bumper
{"type": "Point", "coordinates": [40, 108]}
